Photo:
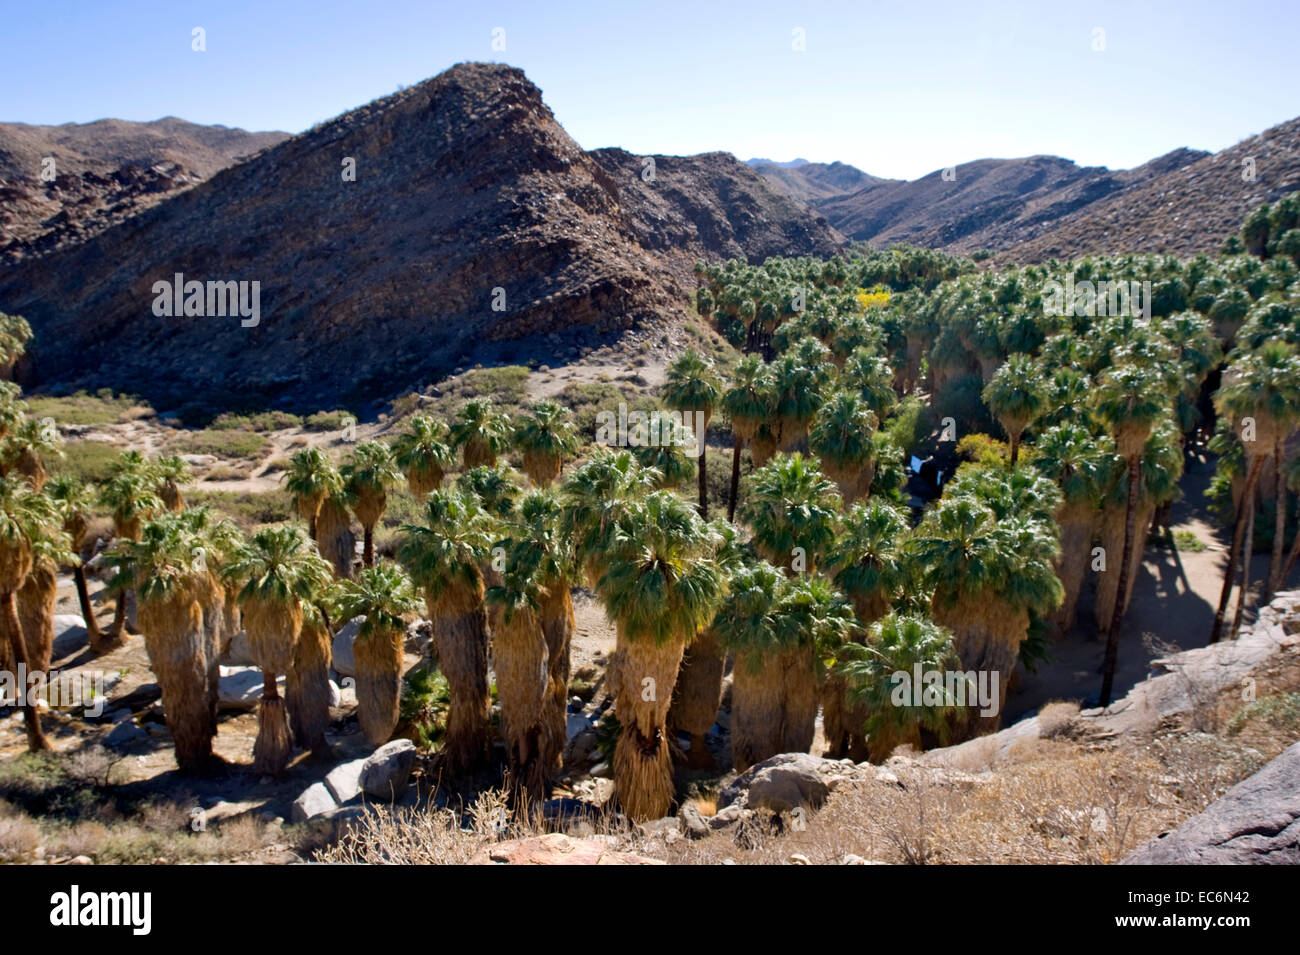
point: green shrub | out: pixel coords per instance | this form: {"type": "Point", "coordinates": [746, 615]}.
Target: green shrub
{"type": "Point", "coordinates": [329, 420]}
{"type": "Point", "coordinates": [223, 444]}
{"type": "Point", "coordinates": [262, 421]}
{"type": "Point", "coordinates": [87, 461]}
{"type": "Point", "coordinates": [248, 509]}
{"type": "Point", "coordinates": [85, 409]}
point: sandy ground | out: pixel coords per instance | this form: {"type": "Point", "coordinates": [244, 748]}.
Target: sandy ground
{"type": "Point", "coordinates": [1174, 600]}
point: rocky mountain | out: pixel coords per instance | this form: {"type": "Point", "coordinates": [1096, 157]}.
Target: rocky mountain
{"type": "Point", "coordinates": [61, 184]}
{"type": "Point", "coordinates": [473, 226]}
{"type": "Point", "coordinates": [811, 181]}
{"type": "Point", "coordinates": [1040, 207]}
{"type": "Point", "coordinates": [989, 203]}
{"type": "Point", "coordinates": [1183, 208]}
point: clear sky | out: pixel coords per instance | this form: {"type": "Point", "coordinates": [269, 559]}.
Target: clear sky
{"type": "Point", "coordinates": [898, 88]}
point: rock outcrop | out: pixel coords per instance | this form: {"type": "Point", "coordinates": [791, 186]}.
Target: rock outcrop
{"type": "Point", "coordinates": [1255, 822]}
{"type": "Point", "coordinates": [474, 227]}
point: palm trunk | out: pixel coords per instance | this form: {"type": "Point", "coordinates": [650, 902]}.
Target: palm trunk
{"type": "Point", "coordinates": [697, 694]}
{"type": "Point", "coordinates": [1076, 523]}
{"type": "Point", "coordinates": [1290, 559]}
{"type": "Point", "coordinates": [36, 741]}
{"type": "Point", "coordinates": [757, 709]}
{"type": "Point", "coordinates": [1117, 615]}
{"type": "Point", "coordinates": [800, 692]}
{"type": "Point", "coordinates": [368, 548]}
{"type": "Point", "coordinates": [520, 662]}
{"type": "Point", "coordinates": [307, 687]}
{"type": "Point", "coordinates": [1015, 451]}
{"type": "Point", "coordinates": [704, 479]}
{"type": "Point", "coordinates": [557, 627]}
{"type": "Point", "coordinates": [735, 479]}
{"type": "Point", "coordinates": [643, 773]}
{"type": "Point", "coordinates": [460, 633]}
{"type": "Point", "coordinates": [1247, 552]}
{"type": "Point", "coordinates": [174, 636]}
{"type": "Point", "coordinates": [1279, 524]}
{"type": "Point", "coordinates": [379, 683]}
{"type": "Point", "coordinates": [274, 745]}
{"type": "Point", "coordinates": [1239, 528]}
{"type": "Point", "coordinates": [87, 610]}
{"type": "Point", "coordinates": [35, 602]}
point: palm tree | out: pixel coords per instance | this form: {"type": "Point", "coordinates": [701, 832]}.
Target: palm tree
{"type": "Point", "coordinates": [39, 592]}
{"type": "Point", "coordinates": [171, 472]}
{"type": "Point", "coordinates": [545, 438]}
{"type": "Point", "coordinates": [749, 402]}
{"type": "Point", "coordinates": [1291, 475]}
{"type": "Point", "coordinates": [666, 452]}
{"type": "Point", "coordinates": [693, 387]}
{"type": "Point", "coordinates": [776, 627]}
{"type": "Point", "coordinates": [367, 474]}
{"type": "Point", "coordinates": [444, 556]}
{"type": "Point", "coordinates": [871, 377]}
{"type": "Point", "coordinates": [660, 585]}
{"type": "Point", "coordinates": [75, 502]}
{"type": "Point", "coordinates": [15, 333]}
{"type": "Point", "coordinates": [698, 690]}
{"type": "Point", "coordinates": [798, 388]}
{"type": "Point", "coordinates": [869, 566]}
{"type": "Point", "coordinates": [1130, 398]}
{"type": "Point", "coordinates": [334, 537]}
{"type": "Point", "coordinates": [307, 685]}
{"type": "Point", "coordinates": [25, 444]}
{"type": "Point", "coordinates": [481, 432]}
{"type": "Point", "coordinates": [988, 575]}
{"type": "Point", "coordinates": [543, 547]}
{"type": "Point", "coordinates": [900, 643]}
{"type": "Point", "coordinates": [1017, 396]}
{"type": "Point", "coordinates": [424, 453]}
{"type": "Point", "coordinates": [311, 479]}
{"type": "Point", "coordinates": [167, 567]}
{"type": "Point", "coordinates": [841, 439]}
{"type": "Point", "coordinates": [129, 495]}
{"type": "Point", "coordinates": [1263, 386]}
{"type": "Point", "coordinates": [383, 595]}
{"type": "Point", "coordinates": [1069, 455]}
{"type": "Point", "coordinates": [792, 510]}
{"type": "Point", "coordinates": [1162, 466]}
{"type": "Point", "coordinates": [595, 497]}
{"type": "Point", "coordinates": [283, 572]}
{"type": "Point", "coordinates": [25, 517]}
{"type": "Point", "coordinates": [519, 660]}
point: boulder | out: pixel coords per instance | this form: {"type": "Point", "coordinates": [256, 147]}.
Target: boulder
{"type": "Point", "coordinates": [240, 688]}
{"type": "Point", "coordinates": [315, 799]}
{"type": "Point", "coordinates": [386, 772]}
{"type": "Point", "coordinates": [419, 637]}
{"type": "Point", "coordinates": [124, 734]}
{"type": "Point", "coordinates": [344, 780]}
{"type": "Point", "coordinates": [559, 849]}
{"type": "Point", "coordinates": [782, 783]}
{"type": "Point", "coordinates": [345, 662]}
{"type": "Point", "coordinates": [69, 634]}
{"type": "Point", "coordinates": [692, 823]}
{"type": "Point", "coordinates": [1255, 822]}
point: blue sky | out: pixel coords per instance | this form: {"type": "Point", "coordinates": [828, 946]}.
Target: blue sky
{"type": "Point", "coordinates": [897, 89]}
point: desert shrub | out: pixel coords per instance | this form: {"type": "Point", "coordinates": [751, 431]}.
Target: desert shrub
{"type": "Point", "coordinates": [222, 444]}
{"type": "Point", "coordinates": [258, 421]}
{"type": "Point", "coordinates": [82, 408]}
{"type": "Point", "coordinates": [329, 420]}
{"type": "Point", "coordinates": [88, 461]}
{"type": "Point", "coordinates": [1280, 712]}
{"type": "Point", "coordinates": [505, 384]}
